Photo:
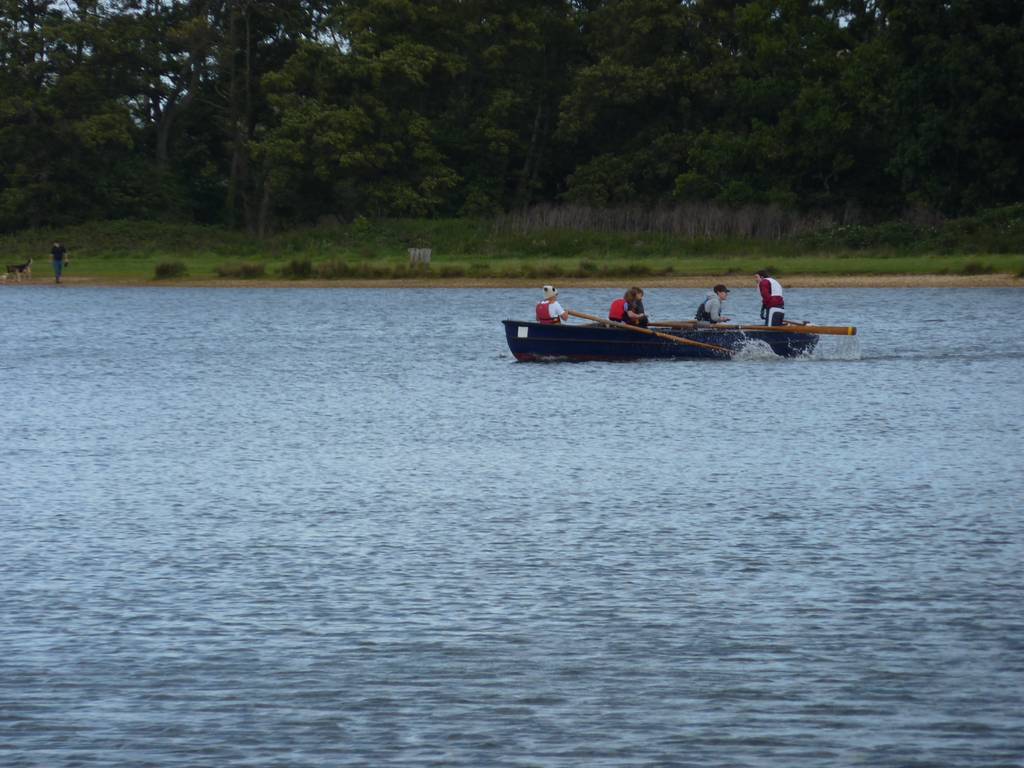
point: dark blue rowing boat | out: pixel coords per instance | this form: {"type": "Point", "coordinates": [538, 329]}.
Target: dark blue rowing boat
{"type": "Point", "coordinates": [598, 341]}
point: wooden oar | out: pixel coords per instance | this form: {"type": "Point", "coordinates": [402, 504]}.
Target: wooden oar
{"type": "Point", "coordinates": [822, 330]}
{"type": "Point", "coordinates": [638, 329]}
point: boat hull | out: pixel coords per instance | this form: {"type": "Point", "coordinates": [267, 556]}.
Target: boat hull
{"type": "Point", "coordinates": [536, 341]}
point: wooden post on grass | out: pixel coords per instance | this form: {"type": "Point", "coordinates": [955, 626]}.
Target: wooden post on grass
{"type": "Point", "coordinates": [419, 256]}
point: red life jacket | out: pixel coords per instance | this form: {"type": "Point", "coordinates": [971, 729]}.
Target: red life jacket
{"type": "Point", "coordinates": [618, 311]}
{"type": "Point", "coordinates": [771, 293]}
{"type": "Point", "coordinates": [544, 314]}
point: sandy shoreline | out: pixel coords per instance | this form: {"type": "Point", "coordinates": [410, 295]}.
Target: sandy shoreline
{"type": "Point", "coordinates": [791, 281]}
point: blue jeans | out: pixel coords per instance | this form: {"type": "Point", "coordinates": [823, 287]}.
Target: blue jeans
{"type": "Point", "coordinates": [58, 267]}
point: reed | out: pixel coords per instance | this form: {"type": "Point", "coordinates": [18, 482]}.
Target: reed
{"type": "Point", "coordinates": [596, 244]}
{"type": "Point", "coordinates": [297, 268]}
{"type": "Point", "coordinates": [166, 270]}
{"type": "Point", "coordinates": [689, 220]}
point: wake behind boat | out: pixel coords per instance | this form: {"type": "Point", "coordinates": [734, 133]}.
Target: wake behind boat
{"type": "Point", "coordinates": [608, 340]}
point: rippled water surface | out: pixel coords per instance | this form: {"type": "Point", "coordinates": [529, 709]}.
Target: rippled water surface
{"type": "Point", "coordinates": [343, 527]}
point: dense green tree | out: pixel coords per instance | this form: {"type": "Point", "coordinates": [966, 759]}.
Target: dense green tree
{"type": "Point", "coordinates": [957, 90]}
{"type": "Point", "coordinates": [353, 129]}
{"type": "Point", "coordinates": [69, 148]}
{"type": "Point", "coordinates": [499, 123]}
{"type": "Point", "coordinates": [633, 104]}
{"type": "Point", "coordinates": [262, 114]}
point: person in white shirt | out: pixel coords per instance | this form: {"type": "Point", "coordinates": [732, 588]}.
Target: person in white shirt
{"type": "Point", "coordinates": [549, 311]}
{"type": "Point", "coordinates": [773, 306]}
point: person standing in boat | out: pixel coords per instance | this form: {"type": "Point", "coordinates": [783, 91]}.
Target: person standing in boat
{"type": "Point", "coordinates": [773, 306]}
{"type": "Point", "coordinates": [549, 311]}
{"type": "Point", "coordinates": [710, 310]}
{"type": "Point", "coordinates": [623, 310]}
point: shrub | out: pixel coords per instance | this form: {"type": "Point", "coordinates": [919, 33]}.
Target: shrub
{"type": "Point", "coordinates": [895, 234]}
{"type": "Point", "coordinates": [452, 270]}
{"type": "Point", "coordinates": [524, 270]}
{"type": "Point", "coordinates": [244, 270]}
{"type": "Point", "coordinates": [298, 268]}
{"type": "Point", "coordinates": [976, 268]}
{"type": "Point", "coordinates": [168, 269]}
{"type": "Point", "coordinates": [334, 269]}
{"type": "Point", "coordinates": [378, 271]}
{"type": "Point", "coordinates": [361, 226]}
{"type": "Point", "coordinates": [640, 270]}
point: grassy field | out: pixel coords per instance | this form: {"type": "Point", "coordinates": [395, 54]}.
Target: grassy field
{"type": "Point", "coordinates": [132, 252]}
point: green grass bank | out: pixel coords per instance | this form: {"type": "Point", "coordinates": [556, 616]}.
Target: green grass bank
{"type": "Point", "coordinates": [148, 251]}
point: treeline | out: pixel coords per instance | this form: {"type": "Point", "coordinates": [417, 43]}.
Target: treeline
{"type": "Point", "coordinates": [264, 115]}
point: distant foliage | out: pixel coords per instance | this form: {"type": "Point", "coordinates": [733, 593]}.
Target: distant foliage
{"type": "Point", "coordinates": [999, 230]}
{"type": "Point", "coordinates": [244, 271]}
{"type": "Point", "coordinates": [334, 269]}
{"type": "Point", "coordinates": [705, 119]}
{"type": "Point", "coordinates": [298, 268]}
{"type": "Point", "coordinates": [170, 269]}
{"type": "Point", "coordinates": [703, 220]}
{"type": "Point", "coordinates": [977, 268]}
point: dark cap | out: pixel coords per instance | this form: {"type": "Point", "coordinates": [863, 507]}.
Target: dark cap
{"type": "Point", "coordinates": [721, 289]}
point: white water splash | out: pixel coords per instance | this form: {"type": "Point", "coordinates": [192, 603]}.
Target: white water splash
{"type": "Point", "coordinates": [755, 349]}
{"type": "Point", "coordinates": [837, 348]}
{"type": "Point", "coordinates": [827, 348]}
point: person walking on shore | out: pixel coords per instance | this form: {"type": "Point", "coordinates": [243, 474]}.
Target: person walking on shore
{"type": "Point", "coordinates": [59, 256]}
{"type": "Point", "coordinates": [773, 306]}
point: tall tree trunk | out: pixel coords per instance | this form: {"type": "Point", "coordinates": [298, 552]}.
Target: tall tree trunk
{"type": "Point", "coordinates": [526, 176]}
{"type": "Point", "coordinates": [239, 164]}
{"type": "Point", "coordinates": [264, 222]}
{"type": "Point", "coordinates": [166, 122]}
{"type": "Point", "coordinates": [184, 92]}
{"type": "Point", "coordinates": [531, 166]}
{"type": "Point", "coordinates": [244, 195]}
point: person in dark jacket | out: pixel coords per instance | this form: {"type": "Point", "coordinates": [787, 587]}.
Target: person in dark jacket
{"type": "Point", "coordinates": [636, 313]}
{"type": "Point", "coordinates": [622, 310]}
{"type": "Point", "coordinates": [59, 257]}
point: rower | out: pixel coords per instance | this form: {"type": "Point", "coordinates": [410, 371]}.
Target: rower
{"type": "Point", "coordinates": [549, 311]}
{"type": "Point", "coordinates": [710, 310]}
{"type": "Point", "coordinates": [625, 310]}
{"type": "Point", "coordinates": [773, 306]}
{"type": "Point", "coordinates": [636, 313]}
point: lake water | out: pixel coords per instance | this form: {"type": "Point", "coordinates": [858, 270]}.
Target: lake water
{"type": "Point", "coordinates": [343, 527]}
